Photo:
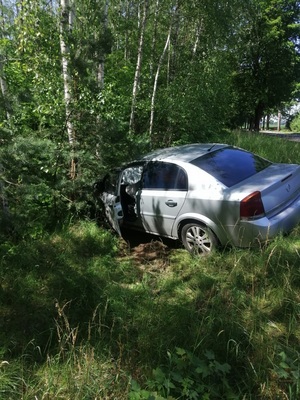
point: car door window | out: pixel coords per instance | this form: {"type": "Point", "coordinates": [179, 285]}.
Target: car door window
{"type": "Point", "coordinates": [132, 174]}
{"type": "Point", "coordinates": [129, 185]}
{"type": "Point", "coordinates": [164, 176]}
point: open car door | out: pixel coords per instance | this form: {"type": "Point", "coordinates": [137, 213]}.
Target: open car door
{"type": "Point", "coordinates": [107, 190]}
{"type": "Point", "coordinates": [113, 211]}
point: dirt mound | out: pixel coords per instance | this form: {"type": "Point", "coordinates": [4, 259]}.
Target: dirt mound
{"type": "Point", "coordinates": [152, 255]}
{"type": "Point", "coordinates": [150, 251]}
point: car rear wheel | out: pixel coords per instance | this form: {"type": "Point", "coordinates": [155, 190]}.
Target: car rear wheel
{"type": "Point", "coordinates": [198, 239]}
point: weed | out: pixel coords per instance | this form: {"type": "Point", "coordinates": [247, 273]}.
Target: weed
{"type": "Point", "coordinates": [188, 377]}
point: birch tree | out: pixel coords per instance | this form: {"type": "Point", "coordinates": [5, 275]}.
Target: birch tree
{"type": "Point", "coordinates": [5, 22]}
{"type": "Point", "coordinates": [4, 92]}
{"type": "Point", "coordinates": [136, 81]}
{"type": "Point", "coordinates": [101, 65]}
{"type": "Point", "coordinates": [65, 27]}
{"type": "Point", "coordinates": [175, 8]}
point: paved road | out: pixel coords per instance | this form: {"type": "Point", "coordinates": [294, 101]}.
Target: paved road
{"type": "Point", "coordinates": [294, 137]}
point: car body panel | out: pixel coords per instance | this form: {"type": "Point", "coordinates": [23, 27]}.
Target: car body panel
{"type": "Point", "coordinates": [113, 211]}
{"type": "Point", "coordinates": [159, 209]}
{"type": "Point", "coordinates": [184, 153]}
{"type": "Point", "coordinates": [264, 229]}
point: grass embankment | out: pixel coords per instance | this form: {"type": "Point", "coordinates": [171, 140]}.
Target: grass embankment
{"type": "Point", "coordinates": [82, 317]}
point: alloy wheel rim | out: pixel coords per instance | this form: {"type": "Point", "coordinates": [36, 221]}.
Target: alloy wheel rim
{"type": "Point", "coordinates": [198, 240]}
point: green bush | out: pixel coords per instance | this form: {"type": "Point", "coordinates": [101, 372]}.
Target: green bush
{"type": "Point", "coordinates": [295, 123]}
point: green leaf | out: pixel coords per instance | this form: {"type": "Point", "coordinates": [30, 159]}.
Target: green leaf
{"type": "Point", "coordinates": [180, 351]}
{"type": "Point", "coordinates": [209, 355]}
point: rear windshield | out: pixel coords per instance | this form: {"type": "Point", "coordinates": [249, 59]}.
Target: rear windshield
{"type": "Point", "coordinates": [230, 165]}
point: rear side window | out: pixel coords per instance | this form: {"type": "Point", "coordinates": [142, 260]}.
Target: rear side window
{"type": "Point", "coordinates": [230, 165]}
{"type": "Point", "coordinates": [164, 176]}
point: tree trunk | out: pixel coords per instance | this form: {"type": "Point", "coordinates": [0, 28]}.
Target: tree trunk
{"type": "Point", "coordinates": [137, 74]}
{"type": "Point", "coordinates": [65, 21]}
{"type": "Point", "coordinates": [197, 39]}
{"type": "Point", "coordinates": [4, 92]}
{"type": "Point", "coordinates": [154, 39]}
{"type": "Point", "coordinates": [3, 84]}
{"type": "Point", "coordinates": [279, 121]}
{"type": "Point", "coordinates": [5, 207]}
{"type": "Point", "coordinates": [100, 74]}
{"type": "Point", "coordinates": [126, 34]}
{"type": "Point", "coordinates": [174, 47]}
{"type": "Point", "coordinates": [259, 112]}
{"type": "Point", "coordinates": [158, 71]}
{"type": "Point", "coordinates": [155, 82]}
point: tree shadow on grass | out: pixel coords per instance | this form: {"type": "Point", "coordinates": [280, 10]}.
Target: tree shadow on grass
{"type": "Point", "coordinates": [51, 287]}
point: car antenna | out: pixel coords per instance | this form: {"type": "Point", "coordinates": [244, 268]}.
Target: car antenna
{"type": "Point", "coordinates": [211, 147]}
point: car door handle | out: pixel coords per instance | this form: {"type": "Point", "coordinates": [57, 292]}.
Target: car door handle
{"type": "Point", "coordinates": [171, 203]}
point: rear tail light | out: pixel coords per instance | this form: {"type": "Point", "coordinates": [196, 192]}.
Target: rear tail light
{"type": "Point", "coordinates": [252, 206]}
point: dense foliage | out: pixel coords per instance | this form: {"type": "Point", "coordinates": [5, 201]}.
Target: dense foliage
{"type": "Point", "coordinates": [86, 85]}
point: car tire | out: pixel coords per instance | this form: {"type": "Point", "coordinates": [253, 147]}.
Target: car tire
{"type": "Point", "coordinates": [198, 239]}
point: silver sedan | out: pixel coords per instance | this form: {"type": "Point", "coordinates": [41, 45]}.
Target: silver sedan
{"type": "Point", "coordinates": [205, 195]}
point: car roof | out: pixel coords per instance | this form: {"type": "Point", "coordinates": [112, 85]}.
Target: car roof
{"type": "Point", "coordinates": [184, 153]}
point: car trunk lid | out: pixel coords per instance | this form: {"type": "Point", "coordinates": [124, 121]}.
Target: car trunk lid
{"type": "Point", "coordinates": [279, 186]}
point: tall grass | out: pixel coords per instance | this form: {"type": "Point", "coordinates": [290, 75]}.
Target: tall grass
{"type": "Point", "coordinates": [80, 318]}
{"type": "Point", "coordinates": [276, 149]}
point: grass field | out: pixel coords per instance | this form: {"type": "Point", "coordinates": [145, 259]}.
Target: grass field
{"type": "Point", "coordinates": [84, 316]}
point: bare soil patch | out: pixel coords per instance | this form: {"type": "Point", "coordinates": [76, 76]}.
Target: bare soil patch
{"type": "Point", "coordinates": [148, 251]}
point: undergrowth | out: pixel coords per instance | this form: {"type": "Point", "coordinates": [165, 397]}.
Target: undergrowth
{"type": "Point", "coordinates": [82, 318]}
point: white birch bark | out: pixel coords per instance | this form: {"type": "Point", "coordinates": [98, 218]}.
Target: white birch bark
{"type": "Point", "coordinates": [166, 47]}
{"type": "Point", "coordinates": [3, 84]}
{"type": "Point", "coordinates": [197, 38]}
{"type": "Point", "coordinates": [155, 82]}
{"type": "Point", "coordinates": [4, 92]}
{"type": "Point", "coordinates": [66, 19]}
{"type": "Point", "coordinates": [154, 38]}
{"type": "Point", "coordinates": [5, 207]}
{"type": "Point", "coordinates": [65, 54]}
{"type": "Point", "coordinates": [126, 32]}
{"type": "Point", "coordinates": [137, 74]}
{"type": "Point", "coordinates": [101, 65]}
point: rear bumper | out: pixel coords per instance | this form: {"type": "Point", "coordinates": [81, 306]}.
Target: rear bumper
{"type": "Point", "coordinates": [252, 232]}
